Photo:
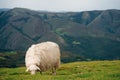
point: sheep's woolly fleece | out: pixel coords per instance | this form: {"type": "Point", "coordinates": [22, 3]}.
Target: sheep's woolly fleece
{"type": "Point", "coordinates": [42, 56]}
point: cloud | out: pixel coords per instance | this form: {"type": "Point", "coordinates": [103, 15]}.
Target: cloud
{"type": "Point", "coordinates": [62, 5]}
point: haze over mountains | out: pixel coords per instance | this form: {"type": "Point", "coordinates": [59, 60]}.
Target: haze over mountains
{"type": "Point", "coordinates": [81, 35]}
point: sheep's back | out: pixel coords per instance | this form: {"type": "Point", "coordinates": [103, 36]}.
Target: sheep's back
{"type": "Point", "coordinates": [50, 54]}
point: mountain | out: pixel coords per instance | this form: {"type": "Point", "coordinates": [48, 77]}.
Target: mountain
{"type": "Point", "coordinates": [4, 9]}
{"type": "Point", "coordinates": [88, 35]}
{"type": "Point", "coordinates": [24, 26]}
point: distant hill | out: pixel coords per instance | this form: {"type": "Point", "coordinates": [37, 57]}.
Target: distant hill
{"type": "Point", "coordinates": [3, 9]}
{"type": "Point", "coordinates": [88, 35]}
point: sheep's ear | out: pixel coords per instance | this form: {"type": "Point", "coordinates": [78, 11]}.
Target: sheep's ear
{"type": "Point", "coordinates": [27, 70]}
{"type": "Point", "coordinates": [38, 69]}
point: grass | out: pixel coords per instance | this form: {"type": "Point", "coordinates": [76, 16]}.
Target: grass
{"type": "Point", "coordinates": [94, 70]}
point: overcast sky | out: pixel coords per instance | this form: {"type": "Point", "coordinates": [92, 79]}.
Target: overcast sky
{"type": "Point", "coordinates": [62, 5]}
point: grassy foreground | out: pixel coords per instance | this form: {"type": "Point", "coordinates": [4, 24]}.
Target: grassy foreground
{"type": "Point", "coordinates": [94, 70]}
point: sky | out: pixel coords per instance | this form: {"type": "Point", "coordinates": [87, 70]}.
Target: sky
{"type": "Point", "coordinates": [62, 5]}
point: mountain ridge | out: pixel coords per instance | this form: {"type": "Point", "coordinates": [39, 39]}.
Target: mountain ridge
{"type": "Point", "coordinates": [83, 35]}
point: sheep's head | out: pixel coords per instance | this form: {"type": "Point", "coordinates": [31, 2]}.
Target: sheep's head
{"type": "Point", "coordinates": [33, 69]}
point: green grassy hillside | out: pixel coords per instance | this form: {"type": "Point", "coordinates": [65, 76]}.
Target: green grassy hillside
{"type": "Point", "coordinates": [94, 70]}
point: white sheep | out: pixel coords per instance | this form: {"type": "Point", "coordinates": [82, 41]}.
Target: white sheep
{"type": "Point", "coordinates": [42, 56]}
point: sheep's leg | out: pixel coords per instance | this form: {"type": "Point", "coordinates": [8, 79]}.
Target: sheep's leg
{"type": "Point", "coordinates": [55, 67]}
{"type": "Point", "coordinates": [54, 71]}
{"type": "Point", "coordinates": [40, 72]}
